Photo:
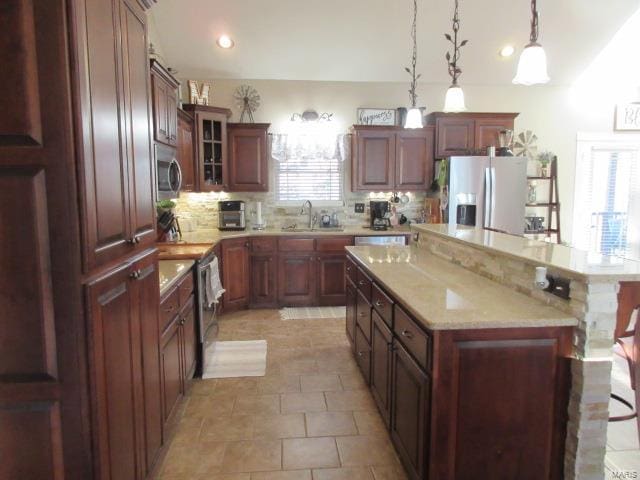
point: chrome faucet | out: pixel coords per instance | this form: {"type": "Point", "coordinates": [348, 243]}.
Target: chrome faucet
{"type": "Point", "coordinates": [312, 218]}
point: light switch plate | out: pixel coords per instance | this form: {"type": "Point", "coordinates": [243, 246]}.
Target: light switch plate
{"type": "Point", "coordinates": [359, 208]}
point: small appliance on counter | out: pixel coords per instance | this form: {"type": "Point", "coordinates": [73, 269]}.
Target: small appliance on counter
{"type": "Point", "coordinates": [505, 138]}
{"type": "Point", "coordinates": [380, 214]}
{"type": "Point", "coordinates": [231, 215]}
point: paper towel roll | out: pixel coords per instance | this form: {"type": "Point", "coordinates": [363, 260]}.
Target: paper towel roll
{"type": "Point", "coordinates": [259, 213]}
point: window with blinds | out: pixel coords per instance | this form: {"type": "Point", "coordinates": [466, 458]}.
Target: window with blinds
{"type": "Point", "coordinates": [315, 179]}
{"type": "Point", "coordinates": [607, 202]}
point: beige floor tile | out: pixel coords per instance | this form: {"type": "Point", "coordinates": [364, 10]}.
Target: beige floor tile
{"type": "Point", "coordinates": [352, 381]}
{"type": "Point", "coordinates": [253, 456]}
{"type": "Point", "coordinates": [354, 473]}
{"type": "Point", "coordinates": [188, 462]}
{"type": "Point", "coordinates": [202, 407]}
{"type": "Point", "coordinates": [224, 476]}
{"type": "Point", "coordinates": [298, 453]}
{"type": "Point", "coordinates": [369, 422]}
{"type": "Point", "coordinates": [320, 383]}
{"type": "Point", "coordinates": [389, 472]}
{"type": "Point", "coordinates": [299, 367]}
{"type": "Point", "coordinates": [330, 424]}
{"type": "Point", "coordinates": [284, 475]}
{"type": "Point", "coordinates": [244, 385]}
{"type": "Point", "coordinates": [257, 404]}
{"type": "Point", "coordinates": [303, 402]}
{"type": "Point", "coordinates": [229, 428]}
{"type": "Point", "coordinates": [203, 387]}
{"type": "Point", "coordinates": [279, 384]}
{"type": "Point", "coordinates": [366, 450]}
{"type": "Point", "coordinates": [279, 426]}
{"type": "Point", "coordinates": [349, 400]}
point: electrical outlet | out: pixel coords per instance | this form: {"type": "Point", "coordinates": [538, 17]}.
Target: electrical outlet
{"type": "Point", "coordinates": [359, 208]}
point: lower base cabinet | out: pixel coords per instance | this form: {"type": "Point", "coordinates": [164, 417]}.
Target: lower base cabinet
{"type": "Point", "coordinates": [331, 279]}
{"type": "Point", "coordinates": [381, 361]}
{"type": "Point", "coordinates": [410, 395]}
{"type": "Point", "coordinates": [171, 369]}
{"type": "Point", "coordinates": [351, 303]}
{"type": "Point", "coordinates": [235, 274]}
{"type": "Point", "coordinates": [363, 354]}
{"type": "Point", "coordinates": [297, 279]}
{"type": "Point", "coordinates": [125, 370]}
{"type": "Point", "coordinates": [263, 282]}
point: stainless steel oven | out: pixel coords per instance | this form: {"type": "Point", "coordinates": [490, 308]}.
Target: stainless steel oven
{"type": "Point", "coordinates": [168, 171]}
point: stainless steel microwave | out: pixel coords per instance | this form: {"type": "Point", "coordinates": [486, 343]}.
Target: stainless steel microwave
{"type": "Point", "coordinates": [168, 171]}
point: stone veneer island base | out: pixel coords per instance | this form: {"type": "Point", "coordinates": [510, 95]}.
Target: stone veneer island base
{"type": "Point", "coordinates": [477, 373]}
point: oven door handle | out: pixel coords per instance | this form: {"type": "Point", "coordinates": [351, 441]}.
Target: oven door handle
{"type": "Point", "coordinates": [175, 164]}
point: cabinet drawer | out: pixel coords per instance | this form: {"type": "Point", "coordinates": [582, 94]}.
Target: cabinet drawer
{"type": "Point", "coordinates": [263, 245]}
{"type": "Point", "coordinates": [383, 304]}
{"type": "Point", "coordinates": [169, 308]}
{"type": "Point", "coordinates": [417, 342]}
{"type": "Point", "coordinates": [185, 289]}
{"type": "Point", "coordinates": [363, 355]}
{"type": "Point", "coordinates": [352, 270]}
{"type": "Point", "coordinates": [363, 315]}
{"type": "Point", "coordinates": [333, 244]}
{"type": "Point", "coordinates": [364, 284]}
{"type": "Point", "coordinates": [296, 244]}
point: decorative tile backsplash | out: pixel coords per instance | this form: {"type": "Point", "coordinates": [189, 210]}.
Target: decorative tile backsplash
{"type": "Point", "coordinates": [198, 211]}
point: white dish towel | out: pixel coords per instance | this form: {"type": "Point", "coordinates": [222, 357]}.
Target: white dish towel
{"type": "Point", "coordinates": [213, 285]}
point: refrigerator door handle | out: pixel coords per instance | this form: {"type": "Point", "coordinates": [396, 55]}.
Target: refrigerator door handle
{"type": "Point", "coordinates": [493, 196]}
{"type": "Point", "coordinates": [487, 197]}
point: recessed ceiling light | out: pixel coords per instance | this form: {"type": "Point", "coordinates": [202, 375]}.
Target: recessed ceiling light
{"type": "Point", "coordinates": [224, 41]}
{"type": "Point", "coordinates": [507, 51]}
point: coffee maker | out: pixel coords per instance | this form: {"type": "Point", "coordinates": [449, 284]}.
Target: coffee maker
{"type": "Point", "coordinates": [379, 214]}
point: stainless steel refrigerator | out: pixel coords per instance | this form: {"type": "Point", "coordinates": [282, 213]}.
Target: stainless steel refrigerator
{"type": "Point", "coordinates": [488, 191]}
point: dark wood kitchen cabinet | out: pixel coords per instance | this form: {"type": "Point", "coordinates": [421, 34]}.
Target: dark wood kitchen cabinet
{"type": "Point", "coordinates": [212, 160]}
{"type": "Point", "coordinates": [331, 279]}
{"type": "Point", "coordinates": [263, 281]}
{"type": "Point", "coordinates": [351, 303]}
{"type": "Point", "coordinates": [235, 274]}
{"type": "Point", "coordinates": [248, 157]}
{"type": "Point", "coordinates": [381, 357]}
{"type": "Point", "coordinates": [468, 133]}
{"type": "Point", "coordinates": [178, 343]}
{"type": "Point", "coordinates": [185, 151]}
{"type": "Point", "coordinates": [297, 279]}
{"type": "Point", "coordinates": [164, 89]}
{"type": "Point", "coordinates": [391, 158]}
{"type": "Point", "coordinates": [125, 371]}
{"type": "Point", "coordinates": [410, 391]}
{"type": "Point", "coordinates": [116, 168]}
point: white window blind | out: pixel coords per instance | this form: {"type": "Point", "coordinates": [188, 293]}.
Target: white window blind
{"type": "Point", "coordinates": [318, 179]}
{"type": "Point", "coordinates": [607, 203]}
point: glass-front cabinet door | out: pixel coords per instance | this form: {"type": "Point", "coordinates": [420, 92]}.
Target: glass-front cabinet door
{"type": "Point", "coordinates": [212, 151]}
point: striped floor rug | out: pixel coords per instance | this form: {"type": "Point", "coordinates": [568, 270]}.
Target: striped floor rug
{"type": "Point", "coordinates": [236, 359]}
{"type": "Point", "coordinates": [309, 313]}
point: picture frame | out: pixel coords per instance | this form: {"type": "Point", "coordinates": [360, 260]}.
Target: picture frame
{"type": "Point", "coordinates": [627, 117]}
{"type": "Point", "coordinates": [376, 116]}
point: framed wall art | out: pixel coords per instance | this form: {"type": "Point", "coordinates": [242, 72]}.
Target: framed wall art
{"type": "Point", "coordinates": [376, 116]}
{"type": "Point", "coordinates": [627, 117]}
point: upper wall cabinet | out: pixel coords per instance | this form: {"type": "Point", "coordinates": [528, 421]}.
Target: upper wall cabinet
{"type": "Point", "coordinates": [391, 158]}
{"type": "Point", "coordinates": [185, 151]}
{"type": "Point", "coordinates": [468, 133]}
{"type": "Point", "coordinates": [248, 157]}
{"type": "Point", "coordinates": [212, 162]}
{"type": "Point", "coordinates": [165, 105]}
{"type": "Point", "coordinates": [116, 162]}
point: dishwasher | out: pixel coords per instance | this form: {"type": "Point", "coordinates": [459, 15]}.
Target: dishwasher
{"type": "Point", "coordinates": [384, 240]}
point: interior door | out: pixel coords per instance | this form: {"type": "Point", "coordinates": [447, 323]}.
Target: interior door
{"type": "Point", "coordinates": [508, 194]}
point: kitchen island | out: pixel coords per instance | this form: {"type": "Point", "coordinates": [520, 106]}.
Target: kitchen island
{"type": "Point", "coordinates": [467, 375]}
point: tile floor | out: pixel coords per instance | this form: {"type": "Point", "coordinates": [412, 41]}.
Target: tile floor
{"type": "Point", "coordinates": [623, 449]}
{"type": "Point", "coordinates": [310, 417]}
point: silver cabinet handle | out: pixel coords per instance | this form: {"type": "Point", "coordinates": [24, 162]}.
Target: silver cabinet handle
{"type": "Point", "coordinates": [378, 303]}
{"type": "Point", "coordinates": [135, 275]}
{"type": "Point", "coordinates": [407, 333]}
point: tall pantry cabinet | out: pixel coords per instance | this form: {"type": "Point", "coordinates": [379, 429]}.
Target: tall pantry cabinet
{"type": "Point", "coordinates": [118, 222]}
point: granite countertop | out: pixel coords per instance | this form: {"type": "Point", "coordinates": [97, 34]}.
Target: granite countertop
{"type": "Point", "coordinates": [444, 296]}
{"type": "Point", "coordinates": [213, 236]}
{"type": "Point", "coordinates": [171, 271]}
{"type": "Point", "coordinates": [560, 257]}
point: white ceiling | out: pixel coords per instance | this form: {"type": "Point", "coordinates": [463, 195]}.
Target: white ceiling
{"type": "Point", "coordinates": [368, 40]}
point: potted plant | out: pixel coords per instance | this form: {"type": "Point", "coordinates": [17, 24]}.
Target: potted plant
{"type": "Point", "coordinates": [544, 159]}
{"type": "Point", "coordinates": [165, 206]}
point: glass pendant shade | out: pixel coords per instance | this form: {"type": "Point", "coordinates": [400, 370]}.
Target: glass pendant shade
{"type": "Point", "coordinates": [532, 67]}
{"type": "Point", "coordinates": [414, 118]}
{"type": "Point", "coordinates": [454, 100]}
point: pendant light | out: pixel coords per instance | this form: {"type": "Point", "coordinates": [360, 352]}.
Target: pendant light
{"type": "Point", "coordinates": [454, 99]}
{"type": "Point", "coordinates": [414, 115]}
{"type": "Point", "coordinates": [532, 67]}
